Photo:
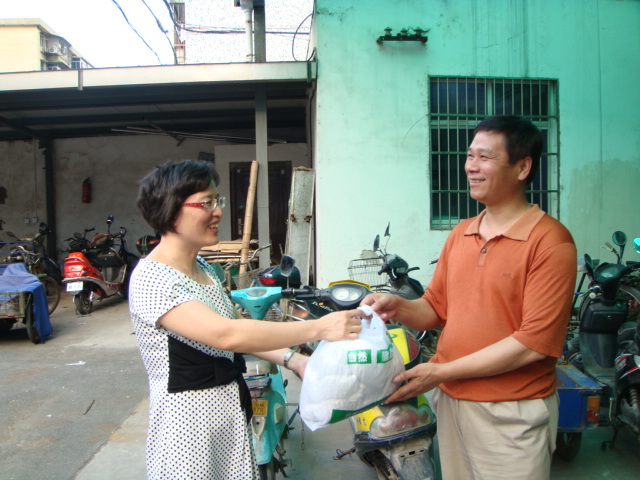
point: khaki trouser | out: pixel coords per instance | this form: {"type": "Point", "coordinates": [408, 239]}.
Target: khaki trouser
{"type": "Point", "coordinates": [496, 440]}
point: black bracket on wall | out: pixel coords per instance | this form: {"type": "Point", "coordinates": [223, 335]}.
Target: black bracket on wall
{"type": "Point", "coordinates": [403, 36]}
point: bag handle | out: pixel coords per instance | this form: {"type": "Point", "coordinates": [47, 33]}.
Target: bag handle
{"type": "Point", "coordinates": [375, 327]}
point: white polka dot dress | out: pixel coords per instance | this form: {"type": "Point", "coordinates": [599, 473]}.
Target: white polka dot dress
{"type": "Point", "coordinates": [193, 434]}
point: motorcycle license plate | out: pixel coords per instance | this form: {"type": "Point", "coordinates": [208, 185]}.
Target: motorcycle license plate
{"type": "Point", "coordinates": [259, 407]}
{"type": "Point", "coordinates": [74, 286]}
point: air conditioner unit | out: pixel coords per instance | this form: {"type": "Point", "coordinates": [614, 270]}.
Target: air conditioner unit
{"type": "Point", "coordinates": [53, 49]}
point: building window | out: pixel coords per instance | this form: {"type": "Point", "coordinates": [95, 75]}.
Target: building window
{"type": "Point", "coordinates": [457, 105]}
{"type": "Point", "coordinates": [178, 12]}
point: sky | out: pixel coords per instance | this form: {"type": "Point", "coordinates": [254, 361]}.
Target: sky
{"type": "Point", "coordinates": [98, 30]}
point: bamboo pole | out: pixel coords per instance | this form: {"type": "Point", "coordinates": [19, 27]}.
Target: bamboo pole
{"type": "Point", "coordinates": [248, 223]}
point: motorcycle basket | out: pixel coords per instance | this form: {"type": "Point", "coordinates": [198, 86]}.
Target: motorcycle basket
{"type": "Point", "coordinates": [365, 270]}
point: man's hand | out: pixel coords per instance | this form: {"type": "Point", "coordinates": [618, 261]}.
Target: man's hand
{"type": "Point", "coordinates": [415, 314]}
{"type": "Point", "coordinates": [503, 356]}
{"type": "Point", "coordinates": [421, 379]}
{"type": "Point", "coordinates": [384, 304]}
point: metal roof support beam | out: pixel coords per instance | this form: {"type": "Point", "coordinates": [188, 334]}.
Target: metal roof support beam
{"type": "Point", "coordinates": [260, 52]}
{"type": "Point", "coordinates": [259, 36]}
{"type": "Point", "coordinates": [263, 175]}
{"type": "Point", "coordinates": [20, 129]}
{"type": "Point", "coordinates": [50, 195]}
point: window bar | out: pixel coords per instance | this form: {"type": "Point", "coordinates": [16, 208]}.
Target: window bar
{"type": "Point", "coordinates": [435, 203]}
{"type": "Point", "coordinates": [441, 157]}
{"type": "Point", "coordinates": [451, 148]}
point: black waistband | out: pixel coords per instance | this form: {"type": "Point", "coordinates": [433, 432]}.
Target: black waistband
{"type": "Point", "coordinates": [191, 369]}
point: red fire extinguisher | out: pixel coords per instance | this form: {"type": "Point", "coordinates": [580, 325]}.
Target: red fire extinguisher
{"type": "Point", "coordinates": [86, 191]}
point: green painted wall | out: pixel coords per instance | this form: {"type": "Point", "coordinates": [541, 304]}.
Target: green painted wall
{"type": "Point", "coordinates": [371, 140]}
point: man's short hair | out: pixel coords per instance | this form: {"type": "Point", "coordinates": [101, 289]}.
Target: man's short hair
{"type": "Point", "coordinates": [522, 139]}
{"type": "Point", "coordinates": [163, 190]}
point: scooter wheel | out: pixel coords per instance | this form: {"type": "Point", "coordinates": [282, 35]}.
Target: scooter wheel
{"type": "Point", "coordinates": [83, 302]}
{"type": "Point", "coordinates": [29, 321]}
{"type": "Point", "coordinates": [568, 445]}
{"type": "Point", "coordinates": [268, 471]}
{"type": "Point", "coordinates": [52, 291]}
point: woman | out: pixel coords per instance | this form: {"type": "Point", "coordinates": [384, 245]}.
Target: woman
{"type": "Point", "coordinates": [188, 333]}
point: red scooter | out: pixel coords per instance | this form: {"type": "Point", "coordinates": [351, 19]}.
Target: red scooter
{"type": "Point", "coordinates": [98, 269]}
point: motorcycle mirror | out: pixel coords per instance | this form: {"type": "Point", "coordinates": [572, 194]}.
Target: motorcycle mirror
{"type": "Point", "coordinates": [386, 232]}
{"type": "Point", "coordinates": [636, 244]}
{"type": "Point", "coordinates": [109, 219]}
{"type": "Point", "coordinates": [376, 243]}
{"type": "Point", "coordinates": [619, 238]}
{"type": "Point", "coordinates": [588, 263]}
{"type": "Point", "coordinates": [286, 265]}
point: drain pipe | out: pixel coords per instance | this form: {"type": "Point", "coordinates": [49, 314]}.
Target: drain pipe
{"type": "Point", "coordinates": [247, 8]}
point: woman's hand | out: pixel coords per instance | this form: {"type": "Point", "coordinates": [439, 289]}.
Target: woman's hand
{"type": "Point", "coordinates": [298, 363]}
{"type": "Point", "coordinates": [340, 325]}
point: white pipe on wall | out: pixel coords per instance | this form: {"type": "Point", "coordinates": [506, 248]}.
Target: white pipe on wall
{"type": "Point", "coordinates": [247, 8]}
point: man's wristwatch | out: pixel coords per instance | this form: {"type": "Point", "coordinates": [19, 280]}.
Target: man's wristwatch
{"type": "Point", "coordinates": [287, 357]}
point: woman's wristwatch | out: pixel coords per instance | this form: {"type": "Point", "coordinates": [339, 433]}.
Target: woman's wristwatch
{"type": "Point", "coordinates": [287, 357]}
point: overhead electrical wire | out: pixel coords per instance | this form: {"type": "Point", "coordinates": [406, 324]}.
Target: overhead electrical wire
{"type": "Point", "coordinates": [191, 29]}
{"type": "Point", "coordinates": [200, 29]}
{"type": "Point", "coordinates": [228, 30]}
{"type": "Point", "coordinates": [136, 31]}
{"type": "Point", "coordinates": [293, 41]}
{"type": "Point", "coordinates": [159, 24]}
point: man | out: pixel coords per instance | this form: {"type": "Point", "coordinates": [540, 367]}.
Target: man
{"type": "Point", "coordinates": [502, 291]}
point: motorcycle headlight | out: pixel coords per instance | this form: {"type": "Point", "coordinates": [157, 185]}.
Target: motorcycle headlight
{"type": "Point", "coordinates": [399, 419]}
{"type": "Point", "coordinates": [258, 425]}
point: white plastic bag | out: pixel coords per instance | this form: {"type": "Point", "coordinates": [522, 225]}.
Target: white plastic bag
{"type": "Point", "coordinates": [350, 376]}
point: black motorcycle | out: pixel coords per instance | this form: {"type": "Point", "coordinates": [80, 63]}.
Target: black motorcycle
{"type": "Point", "coordinates": [607, 344]}
{"type": "Point", "coordinates": [389, 272]}
{"type": "Point", "coordinates": [36, 246]}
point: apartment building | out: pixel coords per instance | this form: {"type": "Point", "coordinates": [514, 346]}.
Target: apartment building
{"type": "Point", "coordinates": [29, 44]}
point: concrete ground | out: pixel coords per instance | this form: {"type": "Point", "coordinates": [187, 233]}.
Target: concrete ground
{"type": "Point", "coordinates": [76, 408]}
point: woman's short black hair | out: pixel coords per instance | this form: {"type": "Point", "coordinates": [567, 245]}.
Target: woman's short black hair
{"type": "Point", "coordinates": [163, 190]}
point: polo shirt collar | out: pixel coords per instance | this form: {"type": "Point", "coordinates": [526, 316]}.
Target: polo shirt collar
{"type": "Point", "coordinates": [519, 231]}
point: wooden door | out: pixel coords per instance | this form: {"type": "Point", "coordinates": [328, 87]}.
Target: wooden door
{"type": "Point", "coordinates": [279, 191]}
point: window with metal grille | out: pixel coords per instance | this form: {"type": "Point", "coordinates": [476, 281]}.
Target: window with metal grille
{"type": "Point", "coordinates": [457, 105]}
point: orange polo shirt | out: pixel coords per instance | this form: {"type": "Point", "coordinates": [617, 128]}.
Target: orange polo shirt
{"type": "Point", "coordinates": [519, 284]}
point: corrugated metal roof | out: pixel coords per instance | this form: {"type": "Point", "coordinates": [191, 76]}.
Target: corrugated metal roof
{"type": "Point", "coordinates": [187, 99]}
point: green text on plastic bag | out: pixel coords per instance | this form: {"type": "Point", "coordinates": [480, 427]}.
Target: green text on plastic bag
{"type": "Point", "coordinates": [358, 357]}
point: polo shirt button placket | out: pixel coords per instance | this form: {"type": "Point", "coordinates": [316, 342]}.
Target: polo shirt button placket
{"type": "Point", "coordinates": [483, 256]}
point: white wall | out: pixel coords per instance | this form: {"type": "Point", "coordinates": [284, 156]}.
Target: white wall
{"type": "Point", "coordinates": [22, 177]}
{"type": "Point", "coordinates": [371, 146]}
{"type": "Point", "coordinates": [280, 16]}
{"type": "Point", "coordinates": [114, 166]}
